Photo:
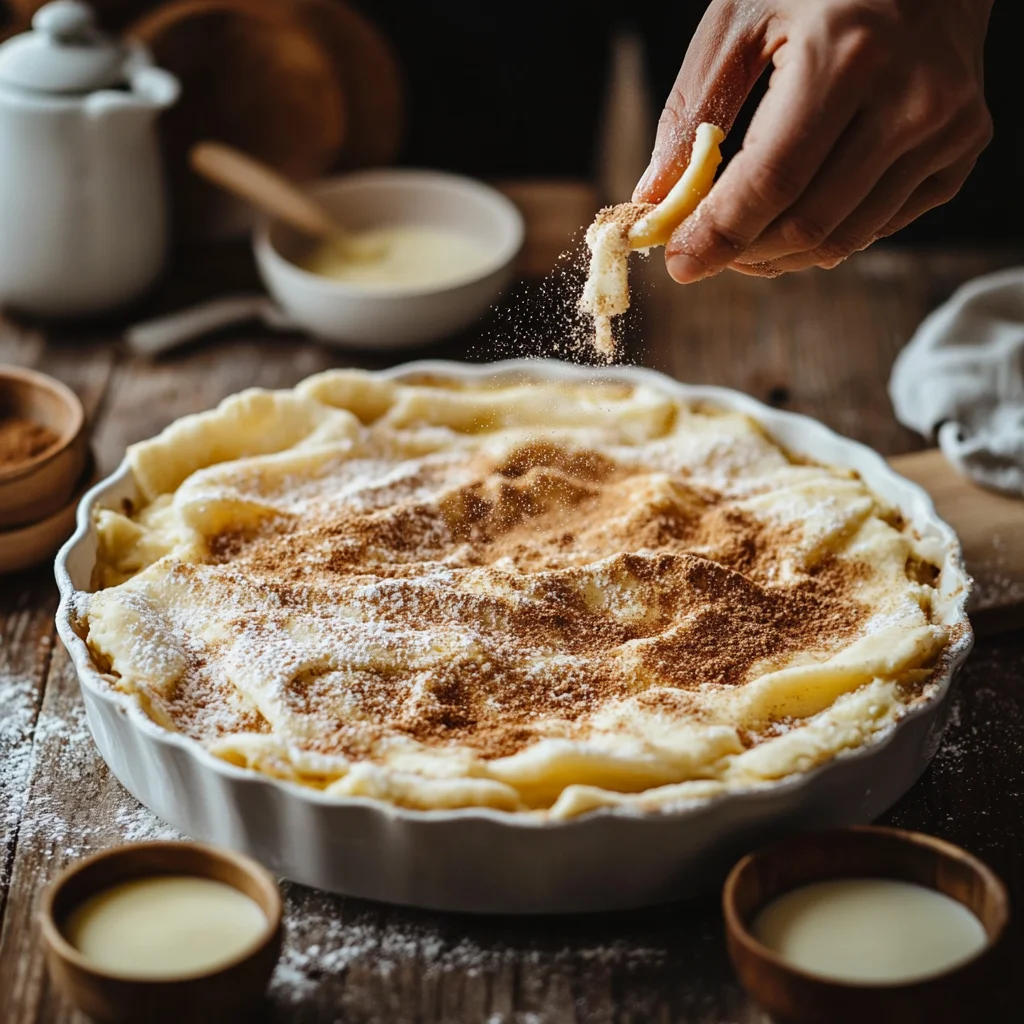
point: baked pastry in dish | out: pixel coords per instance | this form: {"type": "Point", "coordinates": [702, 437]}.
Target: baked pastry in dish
{"type": "Point", "coordinates": [544, 597]}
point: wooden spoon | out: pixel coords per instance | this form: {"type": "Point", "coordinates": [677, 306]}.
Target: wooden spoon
{"type": "Point", "coordinates": [270, 191]}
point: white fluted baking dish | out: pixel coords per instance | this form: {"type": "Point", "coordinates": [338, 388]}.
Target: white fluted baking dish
{"type": "Point", "coordinates": [483, 860]}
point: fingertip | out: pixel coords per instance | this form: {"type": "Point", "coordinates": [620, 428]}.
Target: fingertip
{"type": "Point", "coordinates": [684, 269]}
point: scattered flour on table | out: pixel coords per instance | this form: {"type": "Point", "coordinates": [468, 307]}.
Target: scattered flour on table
{"type": "Point", "coordinates": [17, 716]}
{"type": "Point", "coordinates": [48, 815]}
{"type": "Point", "coordinates": [389, 946]}
{"type": "Point", "coordinates": [19, 707]}
{"type": "Point", "coordinates": [955, 745]}
{"type": "Point", "coordinates": [994, 586]}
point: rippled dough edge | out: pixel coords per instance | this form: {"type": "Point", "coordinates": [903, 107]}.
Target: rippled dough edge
{"type": "Point", "coordinates": [841, 704]}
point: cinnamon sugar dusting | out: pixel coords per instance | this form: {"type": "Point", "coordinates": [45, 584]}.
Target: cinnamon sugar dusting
{"type": "Point", "coordinates": [547, 564]}
{"type": "Point", "coordinates": [537, 598]}
{"type": "Point", "coordinates": [623, 215]}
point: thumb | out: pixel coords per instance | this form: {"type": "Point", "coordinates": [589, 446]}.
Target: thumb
{"type": "Point", "coordinates": [723, 61]}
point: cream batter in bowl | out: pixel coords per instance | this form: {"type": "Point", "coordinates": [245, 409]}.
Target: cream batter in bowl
{"type": "Point", "coordinates": [598, 854]}
{"type": "Point", "coordinates": [449, 246]}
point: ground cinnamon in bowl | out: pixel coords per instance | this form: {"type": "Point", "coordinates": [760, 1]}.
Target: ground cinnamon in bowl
{"type": "Point", "coordinates": [22, 439]}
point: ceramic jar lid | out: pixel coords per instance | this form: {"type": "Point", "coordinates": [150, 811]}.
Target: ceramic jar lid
{"type": "Point", "coordinates": [64, 53]}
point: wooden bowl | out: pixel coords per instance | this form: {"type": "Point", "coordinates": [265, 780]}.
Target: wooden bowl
{"type": "Point", "coordinates": [793, 995]}
{"type": "Point", "coordinates": [370, 78]}
{"type": "Point", "coordinates": [38, 487]}
{"type": "Point", "coordinates": [231, 992]}
{"type": "Point", "coordinates": [25, 546]}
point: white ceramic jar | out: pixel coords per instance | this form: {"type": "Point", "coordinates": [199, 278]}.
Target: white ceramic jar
{"type": "Point", "coordinates": [83, 218]}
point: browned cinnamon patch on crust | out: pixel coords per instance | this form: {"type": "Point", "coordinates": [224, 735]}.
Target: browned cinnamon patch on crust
{"type": "Point", "coordinates": [549, 563]}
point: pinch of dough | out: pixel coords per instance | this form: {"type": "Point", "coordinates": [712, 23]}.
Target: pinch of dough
{"type": "Point", "coordinates": [693, 185]}
{"type": "Point", "coordinates": [620, 229]}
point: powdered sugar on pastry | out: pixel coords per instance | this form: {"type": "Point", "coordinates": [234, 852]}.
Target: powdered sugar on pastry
{"type": "Point", "coordinates": [537, 597]}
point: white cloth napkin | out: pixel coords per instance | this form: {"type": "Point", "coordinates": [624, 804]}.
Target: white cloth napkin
{"type": "Point", "coordinates": [961, 380]}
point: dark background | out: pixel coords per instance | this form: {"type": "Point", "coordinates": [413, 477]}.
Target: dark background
{"type": "Point", "coordinates": [515, 90]}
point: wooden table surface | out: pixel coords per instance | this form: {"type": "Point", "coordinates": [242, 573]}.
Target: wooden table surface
{"type": "Point", "coordinates": [820, 343]}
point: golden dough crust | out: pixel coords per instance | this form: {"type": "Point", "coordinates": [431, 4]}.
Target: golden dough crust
{"type": "Point", "coordinates": [542, 598]}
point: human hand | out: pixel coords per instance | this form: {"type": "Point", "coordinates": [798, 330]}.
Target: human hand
{"type": "Point", "coordinates": [875, 113]}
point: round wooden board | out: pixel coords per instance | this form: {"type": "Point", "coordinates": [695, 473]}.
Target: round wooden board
{"type": "Point", "coordinates": [254, 76]}
{"type": "Point", "coordinates": [370, 78]}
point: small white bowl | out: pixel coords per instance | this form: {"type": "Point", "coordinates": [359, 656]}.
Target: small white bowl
{"type": "Point", "coordinates": [352, 315]}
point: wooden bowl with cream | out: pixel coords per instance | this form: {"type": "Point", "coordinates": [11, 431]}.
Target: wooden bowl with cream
{"type": "Point", "coordinates": [867, 924]}
{"type": "Point", "coordinates": [163, 931]}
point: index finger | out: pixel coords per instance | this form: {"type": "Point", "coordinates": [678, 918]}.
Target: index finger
{"type": "Point", "coordinates": [723, 61]}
